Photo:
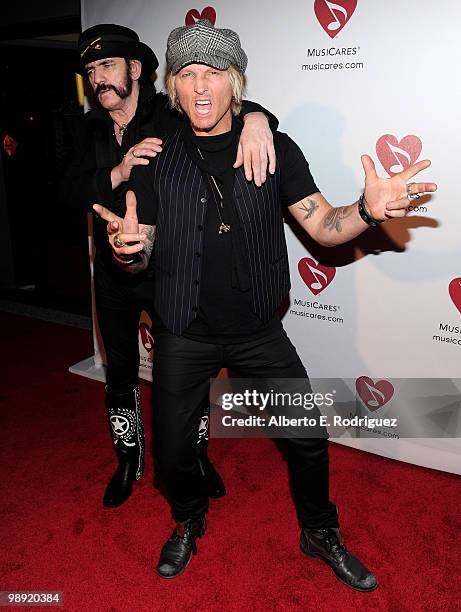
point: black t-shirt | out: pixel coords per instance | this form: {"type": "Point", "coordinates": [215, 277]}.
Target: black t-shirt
{"type": "Point", "coordinates": [226, 314]}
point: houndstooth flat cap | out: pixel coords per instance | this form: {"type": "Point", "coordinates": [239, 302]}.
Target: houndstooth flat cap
{"type": "Point", "coordinates": [202, 43]}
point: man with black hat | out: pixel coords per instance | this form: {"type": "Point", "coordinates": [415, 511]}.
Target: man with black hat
{"type": "Point", "coordinates": [221, 271]}
{"type": "Point", "coordinates": [115, 137]}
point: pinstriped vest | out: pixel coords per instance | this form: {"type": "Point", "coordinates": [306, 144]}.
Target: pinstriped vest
{"type": "Point", "coordinates": [183, 197]}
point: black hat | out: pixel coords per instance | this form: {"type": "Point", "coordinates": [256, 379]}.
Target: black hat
{"type": "Point", "coordinates": [111, 40]}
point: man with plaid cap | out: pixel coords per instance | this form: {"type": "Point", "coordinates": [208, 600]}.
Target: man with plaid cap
{"type": "Point", "coordinates": [123, 131]}
{"type": "Point", "coordinates": [221, 271]}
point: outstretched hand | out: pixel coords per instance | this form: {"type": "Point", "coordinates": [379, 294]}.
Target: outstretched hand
{"type": "Point", "coordinates": [123, 233]}
{"type": "Point", "coordinates": [388, 198]}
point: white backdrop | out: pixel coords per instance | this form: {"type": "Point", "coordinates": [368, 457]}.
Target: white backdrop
{"type": "Point", "coordinates": [345, 78]}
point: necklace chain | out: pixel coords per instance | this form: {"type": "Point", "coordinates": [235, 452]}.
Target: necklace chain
{"type": "Point", "coordinates": [217, 188]}
{"type": "Point", "coordinates": [224, 227]}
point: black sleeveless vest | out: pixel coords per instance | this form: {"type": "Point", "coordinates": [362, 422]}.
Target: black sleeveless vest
{"type": "Point", "coordinates": [178, 243]}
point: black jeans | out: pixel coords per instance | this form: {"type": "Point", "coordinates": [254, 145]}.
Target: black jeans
{"type": "Point", "coordinates": [120, 299]}
{"type": "Point", "coordinates": [183, 369]}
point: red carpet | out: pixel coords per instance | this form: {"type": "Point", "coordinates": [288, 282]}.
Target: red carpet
{"type": "Point", "coordinates": [404, 521]}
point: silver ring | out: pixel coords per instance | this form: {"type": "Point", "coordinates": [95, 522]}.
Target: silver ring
{"type": "Point", "coordinates": [412, 196]}
{"type": "Point", "coordinates": [118, 243]}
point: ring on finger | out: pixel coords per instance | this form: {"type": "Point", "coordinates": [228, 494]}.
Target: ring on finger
{"type": "Point", "coordinates": [412, 196]}
{"type": "Point", "coordinates": [118, 243]}
{"type": "Point", "coordinates": [133, 153]}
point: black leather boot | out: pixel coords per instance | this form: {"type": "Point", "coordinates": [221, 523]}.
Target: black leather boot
{"type": "Point", "coordinates": [214, 483]}
{"type": "Point", "coordinates": [179, 548]}
{"type": "Point", "coordinates": [127, 431]}
{"type": "Point", "coordinates": [328, 545]}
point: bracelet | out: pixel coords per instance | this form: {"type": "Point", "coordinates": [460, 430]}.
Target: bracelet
{"type": "Point", "coordinates": [363, 212]}
{"type": "Point", "coordinates": [120, 260]}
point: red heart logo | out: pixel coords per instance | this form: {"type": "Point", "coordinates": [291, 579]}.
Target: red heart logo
{"type": "Point", "coordinates": [395, 156]}
{"type": "Point", "coordinates": [146, 337]}
{"type": "Point", "coordinates": [316, 276]}
{"type": "Point", "coordinates": [333, 16]}
{"type": "Point", "coordinates": [374, 394]}
{"type": "Point", "coordinates": [454, 289]}
{"type": "Point", "coordinates": [193, 15]}
{"type": "Point", "coordinates": [9, 145]}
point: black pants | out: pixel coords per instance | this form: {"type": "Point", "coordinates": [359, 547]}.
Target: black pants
{"type": "Point", "coordinates": [120, 299]}
{"type": "Point", "coordinates": [183, 369]}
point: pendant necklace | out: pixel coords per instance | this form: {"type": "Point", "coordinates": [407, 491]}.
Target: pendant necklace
{"type": "Point", "coordinates": [121, 127]}
{"type": "Point", "coordinates": [224, 227]}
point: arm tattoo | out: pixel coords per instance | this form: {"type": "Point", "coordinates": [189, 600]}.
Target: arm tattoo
{"type": "Point", "coordinates": [333, 219]}
{"type": "Point", "coordinates": [142, 260]}
{"type": "Point", "coordinates": [309, 209]}
{"type": "Point", "coordinates": [149, 230]}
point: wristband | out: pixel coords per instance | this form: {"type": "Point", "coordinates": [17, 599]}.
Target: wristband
{"type": "Point", "coordinates": [125, 262]}
{"type": "Point", "coordinates": [363, 212]}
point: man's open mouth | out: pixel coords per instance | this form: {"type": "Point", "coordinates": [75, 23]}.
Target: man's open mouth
{"type": "Point", "coordinates": [203, 107]}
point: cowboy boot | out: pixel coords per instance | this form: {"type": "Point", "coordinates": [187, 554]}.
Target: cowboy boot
{"type": "Point", "coordinates": [125, 421]}
{"type": "Point", "coordinates": [214, 483]}
{"type": "Point", "coordinates": [179, 548]}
